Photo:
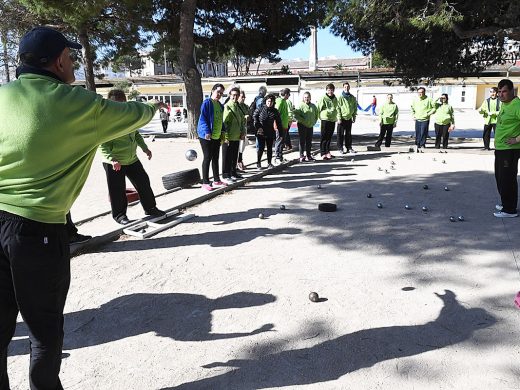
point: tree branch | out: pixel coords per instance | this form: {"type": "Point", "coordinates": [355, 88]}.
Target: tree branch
{"type": "Point", "coordinates": [513, 32]}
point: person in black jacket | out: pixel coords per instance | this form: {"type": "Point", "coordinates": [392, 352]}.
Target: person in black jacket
{"type": "Point", "coordinates": [267, 122]}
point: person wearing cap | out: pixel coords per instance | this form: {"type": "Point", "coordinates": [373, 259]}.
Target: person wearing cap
{"type": "Point", "coordinates": [50, 131]}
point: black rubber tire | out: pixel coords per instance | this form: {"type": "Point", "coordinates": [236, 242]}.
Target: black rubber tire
{"type": "Point", "coordinates": [327, 207]}
{"type": "Point", "coordinates": [183, 179]}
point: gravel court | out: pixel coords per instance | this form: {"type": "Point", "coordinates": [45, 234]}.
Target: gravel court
{"type": "Point", "coordinates": [220, 302]}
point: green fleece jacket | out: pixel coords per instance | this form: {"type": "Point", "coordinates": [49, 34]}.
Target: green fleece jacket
{"type": "Point", "coordinates": [233, 121]}
{"type": "Point", "coordinates": [283, 109]}
{"type": "Point", "coordinates": [328, 108]}
{"type": "Point", "coordinates": [423, 108]}
{"type": "Point", "coordinates": [508, 124]}
{"type": "Point", "coordinates": [123, 149]}
{"type": "Point", "coordinates": [347, 106]}
{"type": "Point", "coordinates": [444, 114]}
{"type": "Point", "coordinates": [306, 114]}
{"type": "Point", "coordinates": [49, 134]}
{"type": "Point", "coordinates": [388, 114]}
{"type": "Point", "coordinates": [489, 110]}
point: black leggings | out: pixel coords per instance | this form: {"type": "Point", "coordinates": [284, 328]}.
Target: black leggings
{"type": "Point", "coordinates": [441, 131]}
{"type": "Point", "coordinates": [262, 143]}
{"type": "Point", "coordinates": [229, 159]}
{"type": "Point", "coordinates": [211, 151]}
{"type": "Point", "coordinates": [486, 136]}
{"type": "Point", "coordinates": [305, 135]}
{"type": "Point", "coordinates": [327, 130]}
{"type": "Point", "coordinates": [506, 171]}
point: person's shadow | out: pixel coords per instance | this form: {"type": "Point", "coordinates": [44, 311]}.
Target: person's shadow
{"type": "Point", "coordinates": [183, 317]}
{"type": "Point", "coordinates": [334, 358]}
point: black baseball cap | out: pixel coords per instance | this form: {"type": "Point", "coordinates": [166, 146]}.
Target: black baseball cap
{"type": "Point", "coordinates": [44, 44]}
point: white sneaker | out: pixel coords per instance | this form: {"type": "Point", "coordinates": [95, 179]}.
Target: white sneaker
{"type": "Point", "coordinates": [228, 181]}
{"type": "Point", "coordinates": [499, 207]}
{"type": "Point", "coordinates": [501, 214]}
{"type": "Point", "coordinates": [352, 151]}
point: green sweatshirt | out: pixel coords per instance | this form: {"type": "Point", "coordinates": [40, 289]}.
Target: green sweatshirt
{"type": "Point", "coordinates": [283, 109]}
{"type": "Point", "coordinates": [218, 116]}
{"type": "Point", "coordinates": [233, 121]}
{"type": "Point", "coordinates": [49, 134]}
{"type": "Point", "coordinates": [444, 114]}
{"type": "Point", "coordinates": [489, 110]}
{"type": "Point", "coordinates": [508, 124]}
{"type": "Point", "coordinates": [306, 114]}
{"type": "Point", "coordinates": [328, 109]}
{"type": "Point", "coordinates": [123, 149]}
{"type": "Point", "coordinates": [423, 108]}
{"type": "Point", "coordinates": [347, 106]}
{"type": "Point", "coordinates": [388, 114]}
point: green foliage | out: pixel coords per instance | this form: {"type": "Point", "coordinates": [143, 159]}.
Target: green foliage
{"type": "Point", "coordinates": [431, 39]}
{"type": "Point", "coordinates": [128, 62]}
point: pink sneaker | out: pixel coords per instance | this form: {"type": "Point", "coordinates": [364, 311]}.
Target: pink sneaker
{"type": "Point", "coordinates": [207, 187]}
{"type": "Point", "coordinates": [219, 184]}
{"type": "Point", "coordinates": [325, 157]}
{"type": "Point", "coordinates": [517, 300]}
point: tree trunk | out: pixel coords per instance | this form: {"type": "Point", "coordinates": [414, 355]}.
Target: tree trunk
{"type": "Point", "coordinates": [258, 67]}
{"type": "Point", "coordinates": [88, 61]}
{"type": "Point", "coordinates": [5, 55]}
{"type": "Point", "coordinates": [190, 73]}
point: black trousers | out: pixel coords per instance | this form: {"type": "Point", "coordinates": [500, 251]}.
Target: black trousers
{"type": "Point", "coordinates": [281, 137]}
{"type": "Point", "coordinates": [305, 135]}
{"type": "Point", "coordinates": [116, 181]}
{"type": "Point", "coordinates": [164, 125]}
{"type": "Point", "coordinates": [34, 280]}
{"type": "Point", "coordinates": [229, 159]}
{"type": "Point", "coordinates": [441, 131]}
{"type": "Point", "coordinates": [327, 130]}
{"type": "Point", "coordinates": [486, 135]}
{"type": "Point", "coordinates": [385, 132]}
{"type": "Point", "coordinates": [262, 142]}
{"type": "Point", "coordinates": [211, 152]}
{"type": "Point", "coordinates": [506, 170]}
{"type": "Point", "coordinates": [344, 134]}
{"type": "Point", "coordinates": [288, 142]}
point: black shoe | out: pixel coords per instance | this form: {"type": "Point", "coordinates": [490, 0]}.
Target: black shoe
{"type": "Point", "coordinates": [155, 212]}
{"type": "Point", "coordinates": [123, 220]}
{"type": "Point", "coordinates": [77, 238]}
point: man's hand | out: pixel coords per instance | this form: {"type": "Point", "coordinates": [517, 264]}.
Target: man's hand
{"type": "Point", "coordinates": [116, 166]}
{"type": "Point", "coordinates": [242, 136]}
{"type": "Point", "coordinates": [158, 104]}
{"type": "Point", "coordinates": [513, 140]}
{"type": "Point", "coordinates": [207, 136]}
{"type": "Point", "coordinates": [149, 154]}
{"type": "Point", "coordinates": [353, 119]}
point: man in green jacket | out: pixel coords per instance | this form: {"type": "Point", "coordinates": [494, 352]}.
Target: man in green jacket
{"type": "Point", "coordinates": [388, 116]}
{"type": "Point", "coordinates": [329, 114]}
{"type": "Point", "coordinates": [422, 108]}
{"type": "Point", "coordinates": [347, 105]}
{"type": "Point", "coordinates": [50, 132]}
{"type": "Point", "coordinates": [281, 135]}
{"type": "Point", "coordinates": [507, 150]}
{"type": "Point", "coordinates": [120, 162]}
{"type": "Point", "coordinates": [489, 110]}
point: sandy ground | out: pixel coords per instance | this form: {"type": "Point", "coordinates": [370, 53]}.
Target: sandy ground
{"type": "Point", "coordinates": [411, 300]}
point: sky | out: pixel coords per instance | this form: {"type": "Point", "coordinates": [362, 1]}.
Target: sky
{"type": "Point", "coordinates": [328, 45]}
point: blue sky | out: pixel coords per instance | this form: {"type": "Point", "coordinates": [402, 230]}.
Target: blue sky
{"type": "Point", "coordinates": [328, 45]}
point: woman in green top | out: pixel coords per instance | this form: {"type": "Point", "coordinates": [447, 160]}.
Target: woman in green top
{"type": "Point", "coordinates": [444, 122]}
{"type": "Point", "coordinates": [120, 162]}
{"type": "Point", "coordinates": [244, 109]}
{"type": "Point", "coordinates": [234, 122]}
{"type": "Point", "coordinates": [306, 115]}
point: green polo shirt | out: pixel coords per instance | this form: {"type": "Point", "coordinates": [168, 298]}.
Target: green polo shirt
{"type": "Point", "coordinates": [508, 124]}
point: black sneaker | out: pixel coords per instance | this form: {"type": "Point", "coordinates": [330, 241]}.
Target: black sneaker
{"type": "Point", "coordinates": [155, 212]}
{"type": "Point", "coordinates": [77, 238]}
{"type": "Point", "coordinates": [123, 220]}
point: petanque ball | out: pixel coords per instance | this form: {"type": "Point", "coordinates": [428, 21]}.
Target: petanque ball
{"type": "Point", "coordinates": [369, 195]}
{"type": "Point", "coordinates": [319, 186]}
{"type": "Point", "coordinates": [424, 208]}
{"type": "Point", "coordinates": [409, 158]}
{"type": "Point", "coordinates": [425, 186]}
{"type": "Point", "coordinates": [314, 297]}
{"type": "Point", "coordinates": [282, 207]}
{"type": "Point", "coordinates": [444, 161]}
{"type": "Point", "coordinates": [407, 207]}
{"type": "Point", "coordinates": [392, 162]}
{"type": "Point", "coordinates": [453, 219]}
{"type": "Point", "coordinates": [379, 169]}
{"type": "Point", "coordinates": [379, 205]}
{"type": "Point", "coordinates": [461, 218]}
{"type": "Point", "coordinates": [261, 216]}
{"type": "Point", "coordinates": [446, 188]}
{"type": "Point", "coordinates": [191, 155]}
